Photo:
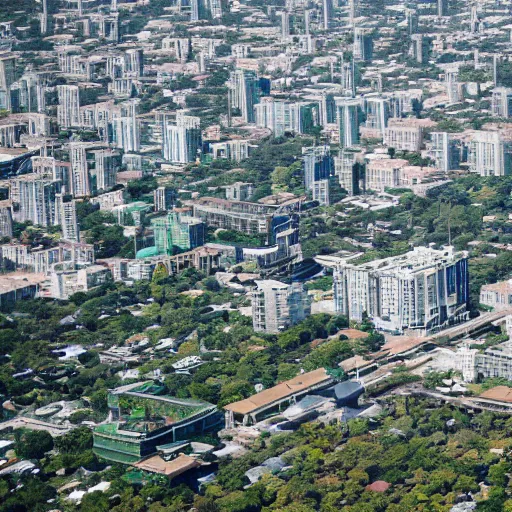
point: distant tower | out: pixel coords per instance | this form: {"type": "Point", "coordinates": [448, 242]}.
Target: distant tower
{"type": "Point", "coordinates": [363, 44]}
{"type": "Point", "coordinates": [352, 10]}
{"type": "Point", "coordinates": [475, 20]}
{"type": "Point", "coordinates": [80, 10]}
{"type": "Point", "coordinates": [328, 8]}
{"type": "Point", "coordinates": [411, 17]}
{"type": "Point", "coordinates": [44, 17]}
{"type": "Point", "coordinates": [442, 8]}
{"type": "Point", "coordinates": [113, 6]}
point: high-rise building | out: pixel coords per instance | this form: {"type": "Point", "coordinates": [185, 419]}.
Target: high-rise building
{"type": "Point", "coordinates": [179, 46]}
{"type": "Point", "coordinates": [363, 44]}
{"type": "Point", "coordinates": [502, 102]}
{"type": "Point", "coordinates": [423, 290]}
{"type": "Point", "coordinates": [445, 151]}
{"type": "Point", "coordinates": [377, 113]}
{"type": "Point", "coordinates": [442, 8]}
{"type": "Point", "coordinates": [417, 49]}
{"type": "Point", "coordinates": [348, 170]}
{"type": "Point", "coordinates": [134, 63]}
{"type": "Point", "coordinates": [164, 198]}
{"type": "Point", "coordinates": [93, 168]}
{"type": "Point", "coordinates": [411, 18]}
{"type": "Point", "coordinates": [5, 219]}
{"type": "Point", "coordinates": [318, 169]}
{"type": "Point", "coordinates": [327, 13]}
{"type": "Point", "coordinates": [68, 111]}
{"type": "Point", "coordinates": [7, 78]}
{"type": "Point", "coordinates": [126, 129]}
{"type": "Point", "coordinates": [176, 233]}
{"type": "Point", "coordinates": [489, 154]}
{"type": "Point", "coordinates": [277, 306]}
{"type": "Point", "coordinates": [182, 140]}
{"type": "Point", "coordinates": [453, 87]}
{"type": "Point", "coordinates": [34, 199]}
{"type": "Point", "coordinates": [349, 114]}
{"type": "Point", "coordinates": [244, 93]}
{"type": "Point", "coordinates": [282, 116]}
{"type": "Point", "coordinates": [69, 221]}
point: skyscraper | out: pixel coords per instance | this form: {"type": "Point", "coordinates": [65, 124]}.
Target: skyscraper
{"type": "Point", "coordinates": [442, 8]}
{"type": "Point", "coordinates": [377, 113]}
{"type": "Point", "coordinates": [363, 44]}
{"type": "Point", "coordinates": [68, 111]}
{"type": "Point", "coordinates": [327, 13]}
{"type": "Point", "coordinates": [126, 130]}
{"type": "Point", "coordinates": [69, 222]}
{"type": "Point", "coordinates": [318, 169]}
{"type": "Point", "coordinates": [244, 93]}
{"type": "Point", "coordinates": [7, 78]}
{"type": "Point", "coordinates": [349, 119]}
{"type": "Point", "coordinates": [34, 199]}
{"type": "Point", "coordinates": [181, 141]}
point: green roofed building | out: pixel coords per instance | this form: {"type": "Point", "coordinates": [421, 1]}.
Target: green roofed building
{"type": "Point", "coordinates": [142, 418]}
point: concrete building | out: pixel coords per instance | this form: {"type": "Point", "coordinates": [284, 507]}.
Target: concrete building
{"type": "Point", "coordinates": [377, 114]}
{"type": "Point", "coordinates": [490, 154]}
{"type": "Point", "coordinates": [68, 111]}
{"type": "Point", "coordinates": [282, 116]}
{"type": "Point", "coordinates": [182, 140]}
{"type": "Point", "coordinates": [239, 191]}
{"type": "Point", "coordinates": [125, 126]}
{"type": "Point", "coordinates": [38, 260]}
{"type": "Point", "coordinates": [501, 103]}
{"type": "Point", "coordinates": [5, 219]}
{"type": "Point", "coordinates": [277, 306]}
{"type": "Point", "coordinates": [349, 119]}
{"type": "Point", "coordinates": [423, 290]}
{"type": "Point", "coordinates": [348, 170]}
{"type": "Point", "coordinates": [493, 362]}
{"type": "Point", "coordinates": [363, 44]}
{"type": "Point", "coordinates": [444, 149]}
{"type": "Point", "coordinates": [179, 47]}
{"type": "Point", "coordinates": [497, 296]}
{"type": "Point", "coordinates": [236, 150]}
{"type": "Point", "coordinates": [164, 198]}
{"type": "Point", "coordinates": [403, 137]}
{"type": "Point", "coordinates": [69, 221]}
{"type": "Point", "coordinates": [65, 283]}
{"type": "Point", "coordinates": [7, 78]}
{"type": "Point", "coordinates": [33, 199]}
{"type": "Point", "coordinates": [243, 86]}
{"type": "Point", "coordinates": [318, 167]}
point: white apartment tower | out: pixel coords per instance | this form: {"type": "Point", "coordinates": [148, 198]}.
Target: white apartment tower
{"type": "Point", "coordinates": [489, 154]}
{"type": "Point", "coordinates": [182, 140]}
{"type": "Point", "coordinates": [69, 221]}
{"type": "Point", "coordinates": [277, 306]}
{"type": "Point", "coordinates": [68, 111]}
{"type": "Point", "coordinates": [424, 290]}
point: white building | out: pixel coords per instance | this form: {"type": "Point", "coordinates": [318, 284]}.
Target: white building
{"type": "Point", "coordinates": [277, 306]}
{"type": "Point", "coordinates": [423, 290]}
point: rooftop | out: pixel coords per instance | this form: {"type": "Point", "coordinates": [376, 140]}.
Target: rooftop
{"type": "Point", "coordinates": [281, 391]}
